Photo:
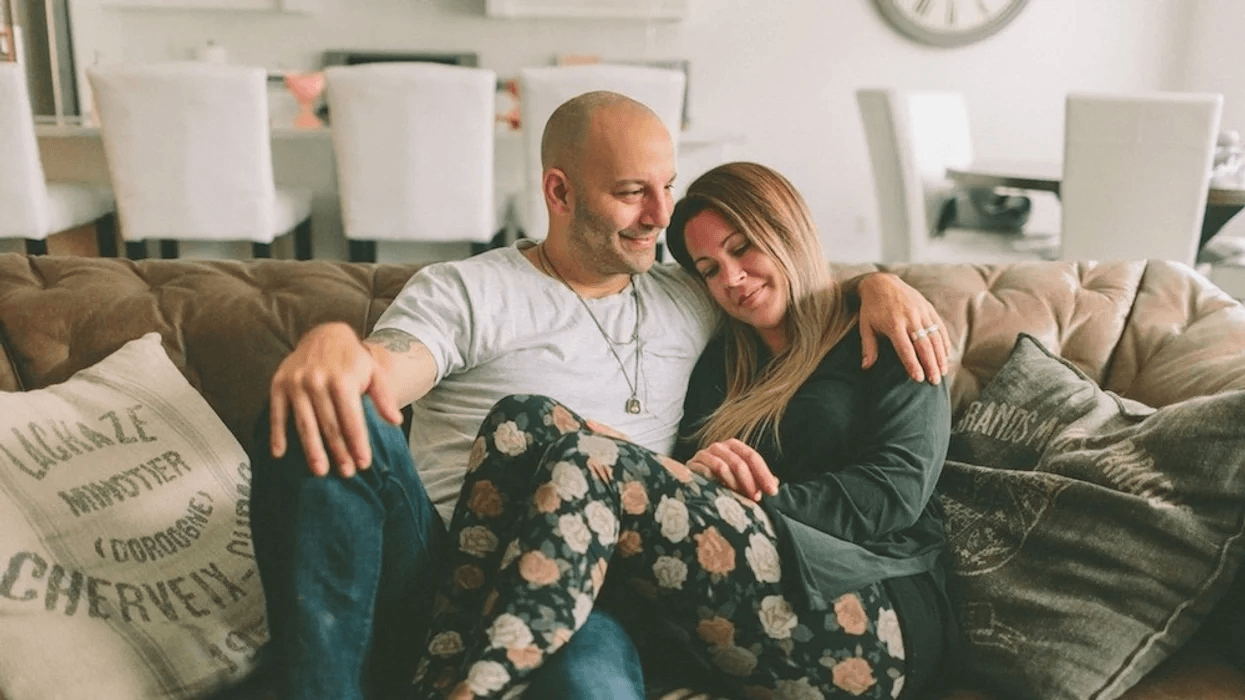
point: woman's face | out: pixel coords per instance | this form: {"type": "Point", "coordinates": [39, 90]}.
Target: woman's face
{"type": "Point", "coordinates": [744, 281]}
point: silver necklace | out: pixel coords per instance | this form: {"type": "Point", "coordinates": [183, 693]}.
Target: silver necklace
{"type": "Point", "coordinates": [633, 403]}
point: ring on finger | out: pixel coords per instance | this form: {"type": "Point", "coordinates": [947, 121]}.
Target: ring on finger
{"type": "Point", "coordinates": [917, 335]}
{"type": "Point", "coordinates": [931, 330]}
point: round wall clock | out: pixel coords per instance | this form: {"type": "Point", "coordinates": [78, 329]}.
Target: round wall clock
{"type": "Point", "coordinates": [949, 22]}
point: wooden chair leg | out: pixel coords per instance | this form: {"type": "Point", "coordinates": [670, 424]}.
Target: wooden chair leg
{"type": "Point", "coordinates": [106, 235]}
{"type": "Point", "coordinates": [261, 250]}
{"type": "Point", "coordinates": [362, 251]}
{"type": "Point", "coordinates": [302, 240]}
{"type": "Point", "coordinates": [36, 247]}
{"type": "Point", "coordinates": [168, 249]}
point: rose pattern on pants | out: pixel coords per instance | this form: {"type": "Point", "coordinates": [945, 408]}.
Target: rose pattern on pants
{"type": "Point", "coordinates": [554, 504]}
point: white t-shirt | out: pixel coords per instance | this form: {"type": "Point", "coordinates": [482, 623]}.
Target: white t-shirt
{"type": "Point", "coordinates": [496, 325]}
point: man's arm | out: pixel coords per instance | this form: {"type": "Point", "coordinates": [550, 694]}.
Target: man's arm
{"type": "Point", "coordinates": [321, 384]}
{"type": "Point", "coordinates": [891, 307]}
{"type": "Point", "coordinates": [412, 371]}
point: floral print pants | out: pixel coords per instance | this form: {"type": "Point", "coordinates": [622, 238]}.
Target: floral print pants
{"type": "Point", "coordinates": [552, 503]}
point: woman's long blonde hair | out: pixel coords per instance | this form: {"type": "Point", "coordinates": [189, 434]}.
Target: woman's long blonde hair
{"type": "Point", "coordinates": [765, 207]}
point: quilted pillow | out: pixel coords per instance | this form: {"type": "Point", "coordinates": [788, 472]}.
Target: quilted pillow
{"type": "Point", "coordinates": [1091, 534]}
{"type": "Point", "coordinates": [126, 568]}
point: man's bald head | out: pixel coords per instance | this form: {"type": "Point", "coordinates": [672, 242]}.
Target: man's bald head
{"type": "Point", "coordinates": [565, 139]}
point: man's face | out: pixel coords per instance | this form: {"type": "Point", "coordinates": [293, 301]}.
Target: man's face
{"type": "Point", "coordinates": [623, 196]}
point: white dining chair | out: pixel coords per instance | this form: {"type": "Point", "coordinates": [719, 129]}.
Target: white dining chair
{"type": "Point", "coordinates": [414, 147]}
{"type": "Point", "coordinates": [913, 137]}
{"type": "Point", "coordinates": [1223, 261]}
{"type": "Point", "coordinates": [543, 89]}
{"type": "Point", "coordinates": [1136, 170]}
{"type": "Point", "coordinates": [189, 152]}
{"type": "Point", "coordinates": [31, 208]}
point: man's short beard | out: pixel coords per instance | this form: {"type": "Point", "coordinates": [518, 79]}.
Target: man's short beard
{"type": "Point", "coordinates": [596, 237]}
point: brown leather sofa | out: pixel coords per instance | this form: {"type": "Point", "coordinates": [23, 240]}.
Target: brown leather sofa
{"type": "Point", "coordinates": [1155, 332]}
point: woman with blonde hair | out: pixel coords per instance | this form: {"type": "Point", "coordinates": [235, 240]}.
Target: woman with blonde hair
{"type": "Point", "coordinates": [792, 545]}
{"type": "Point", "coordinates": [777, 398]}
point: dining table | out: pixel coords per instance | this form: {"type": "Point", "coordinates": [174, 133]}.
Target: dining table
{"type": "Point", "coordinates": [1225, 197]}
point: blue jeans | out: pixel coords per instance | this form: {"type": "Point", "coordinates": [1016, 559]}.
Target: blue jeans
{"type": "Point", "coordinates": [349, 569]}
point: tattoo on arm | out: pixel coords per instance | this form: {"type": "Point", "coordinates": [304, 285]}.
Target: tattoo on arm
{"type": "Point", "coordinates": [392, 340]}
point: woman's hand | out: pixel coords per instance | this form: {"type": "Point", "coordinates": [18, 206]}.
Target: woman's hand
{"type": "Point", "coordinates": [736, 466]}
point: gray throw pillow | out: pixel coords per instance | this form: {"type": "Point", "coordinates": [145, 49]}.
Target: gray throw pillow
{"type": "Point", "coordinates": [1091, 534]}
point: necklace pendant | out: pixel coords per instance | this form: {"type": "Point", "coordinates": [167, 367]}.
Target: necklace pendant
{"type": "Point", "coordinates": [633, 405]}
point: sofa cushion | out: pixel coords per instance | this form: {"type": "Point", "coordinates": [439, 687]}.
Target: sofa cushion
{"type": "Point", "coordinates": [1091, 534]}
{"type": "Point", "coordinates": [126, 568]}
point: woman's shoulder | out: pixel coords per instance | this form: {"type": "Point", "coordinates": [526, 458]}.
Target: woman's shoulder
{"type": "Point", "coordinates": [849, 350]}
{"type": "Point", "coordinates": [714, 354]}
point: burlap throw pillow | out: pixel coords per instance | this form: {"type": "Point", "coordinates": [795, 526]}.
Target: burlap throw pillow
{"type": "Point", "coordinates": [126, 568]}
{"type": "Point", "coordinates": [1091, 534]}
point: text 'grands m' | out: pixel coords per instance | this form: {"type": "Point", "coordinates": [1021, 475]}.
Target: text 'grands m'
{"type": "Point", "coordinates": [47, 443]}
{"type": "Point", "coordinates": [1006, 423]}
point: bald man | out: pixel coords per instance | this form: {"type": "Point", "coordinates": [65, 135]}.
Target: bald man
{"type": "Point", "coordinates": [348, 515]}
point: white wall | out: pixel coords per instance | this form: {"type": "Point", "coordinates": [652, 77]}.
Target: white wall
{"type": "Point", "coordinates": [790, 79]}
{"type": "Point", "coordinates": [783, 72]}
{"type": "Point", "coordinates": [1213, 65]}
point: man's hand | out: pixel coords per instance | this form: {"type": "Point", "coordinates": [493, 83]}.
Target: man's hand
{"type": "Point", "coordinates": [321, 385]}
{"type": "Point", "coordinates": [737, 466]}
{"type": "Point", "coordinates": [891, 307]}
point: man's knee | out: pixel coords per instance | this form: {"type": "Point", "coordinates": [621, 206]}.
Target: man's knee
{"type": "Point", "coordinates": [385, 439]}
{"type": "Point", "coordinates": [599, 663]}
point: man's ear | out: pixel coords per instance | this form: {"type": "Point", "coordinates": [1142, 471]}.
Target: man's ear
{"type": "Point", "coordinates": [557, 189]}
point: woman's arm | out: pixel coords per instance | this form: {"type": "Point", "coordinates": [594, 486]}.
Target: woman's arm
{"type": "Point", "coordinates": [898, 444]}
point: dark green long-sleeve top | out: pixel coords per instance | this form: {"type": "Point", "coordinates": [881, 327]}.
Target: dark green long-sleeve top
{"type": "Point", "coordinates": [861, 453]}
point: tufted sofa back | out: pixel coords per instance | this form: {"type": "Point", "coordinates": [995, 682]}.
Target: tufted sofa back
{"type": "Point", "coordinates": [1153, 331]}
{"type": "Point", "coordinates": [1156, 332]}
